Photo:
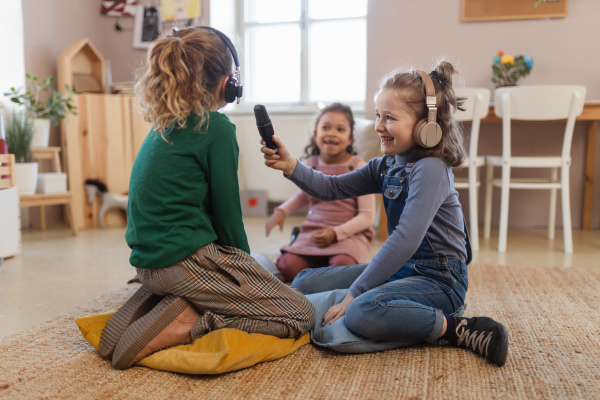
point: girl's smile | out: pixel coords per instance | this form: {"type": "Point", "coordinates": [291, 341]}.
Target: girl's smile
{"type": "Point", "coordinates": [394, 123]}
{"type": "Point", "coordinates": [333, 136]}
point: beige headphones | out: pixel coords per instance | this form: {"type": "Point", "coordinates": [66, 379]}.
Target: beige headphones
{"type": "Point", "coordinates": [427, 132]}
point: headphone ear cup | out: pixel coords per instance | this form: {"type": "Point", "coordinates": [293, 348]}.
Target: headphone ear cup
{"type": "Point", "coordinates": [230, 90]}
{"type": "Point", "coordinates": [426, 134]}
{"type": "Point", "coordinates": [417, 131]}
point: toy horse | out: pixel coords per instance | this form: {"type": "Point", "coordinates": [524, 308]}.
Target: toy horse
{"type": "Point", "coordinates": [95, 187]}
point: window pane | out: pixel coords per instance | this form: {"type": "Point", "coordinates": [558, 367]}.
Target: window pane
{"type": "Point", "coordinates": [273, 59]}
{"type": "Point", "coordinates": [221, 12]}
{"type": "Point", "coordinates": [272, 10]}
{"type": "Point", "coordinates": [337, 59]}
{"type": "Point", "coordinates": [337, 8]}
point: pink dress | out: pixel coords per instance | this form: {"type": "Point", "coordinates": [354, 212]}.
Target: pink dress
{"type": "Point", "coordinates": [351, 219]}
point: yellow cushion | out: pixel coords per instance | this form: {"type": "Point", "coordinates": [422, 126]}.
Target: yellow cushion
{"type": "Point", "coordinates": [220, 351]}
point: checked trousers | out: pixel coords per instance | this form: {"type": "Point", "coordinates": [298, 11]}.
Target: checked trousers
{"type": "Point", "coordinates": [231, 290]}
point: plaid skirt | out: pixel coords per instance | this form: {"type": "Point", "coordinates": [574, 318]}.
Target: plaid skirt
{"type": "Point", "coordinates": [231, 290]}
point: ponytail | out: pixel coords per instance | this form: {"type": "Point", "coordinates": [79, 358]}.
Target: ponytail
{"type": "Point", "coordinates": [182, 74]}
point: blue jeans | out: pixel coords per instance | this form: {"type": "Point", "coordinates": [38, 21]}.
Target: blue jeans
{"type": "Point", "coordinates": [399, 313]}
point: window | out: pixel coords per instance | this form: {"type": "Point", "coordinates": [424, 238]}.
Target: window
{"type": "Point", "coordinates": [298, 51]}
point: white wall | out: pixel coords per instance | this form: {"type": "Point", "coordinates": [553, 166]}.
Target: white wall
{"type": "Point", "coordinates": [565, 51]}
{"type": "Point", "coordinates": [12, 66]}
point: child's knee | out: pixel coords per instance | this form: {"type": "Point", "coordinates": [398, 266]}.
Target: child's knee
{"type": "Point", "coordinates": [288, 265]}
{"type": "Point", "coordinates": [303, 282]}
{"type": "Point", "coordinates": [341, 260]}
{"type": "Point", "coordinates": [362, 318]}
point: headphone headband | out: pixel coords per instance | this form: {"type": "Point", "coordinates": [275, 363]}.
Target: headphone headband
{"type": "Point", "coordinates": [234, 89]}
{"type": "Point", "coordinates": [430, 99]}
{"type": "Point", "coordinates": [427, 133]}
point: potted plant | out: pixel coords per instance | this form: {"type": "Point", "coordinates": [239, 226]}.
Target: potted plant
{"type": "Point", "coordinates": [19, 135]}
{"type": "Point", "coordinates": [507, 70]}
{"type": "Point", "coordinates": [45, 105]}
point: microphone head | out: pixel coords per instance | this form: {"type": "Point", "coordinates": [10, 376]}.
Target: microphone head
{"type": "Point", "coordinates": [261, 115]}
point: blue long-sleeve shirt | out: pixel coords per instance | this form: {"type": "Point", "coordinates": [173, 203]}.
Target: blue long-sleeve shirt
{"type": "Point", "coordinates": [432, 208]}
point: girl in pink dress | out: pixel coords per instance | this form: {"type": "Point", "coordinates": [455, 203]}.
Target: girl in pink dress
{"type": "Point", "coordinates": [338, 232]}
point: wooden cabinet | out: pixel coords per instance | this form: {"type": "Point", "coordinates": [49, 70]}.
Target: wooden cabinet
{"type": "Point", "coordinates": [101, 142]}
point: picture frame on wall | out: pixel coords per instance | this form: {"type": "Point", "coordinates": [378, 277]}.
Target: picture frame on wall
{"type": "Point", "coordinates": [118, 8]}
{"type": "Point", "coordinates": [486, 10]}
{"type": "Point", "coordinates": [146, 26]}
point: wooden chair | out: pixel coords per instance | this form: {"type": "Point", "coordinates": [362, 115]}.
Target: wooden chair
{"type": "Point", "coordinates": [49, 199]}
{"type": "Point", "coordinates": [476, 107]}
{"type": "Point", "coordinates": [7, 171]}
{"type": "Point", "coordinates": [9, 208]}
{"type": "Point", "coordinates": [534, 103]}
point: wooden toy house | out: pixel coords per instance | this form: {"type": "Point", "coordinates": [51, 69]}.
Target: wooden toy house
{"type": "Point", "coordinates": [82, 67]}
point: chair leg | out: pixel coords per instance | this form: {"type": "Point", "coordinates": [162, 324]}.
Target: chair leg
{"type": "Point", "coordinates": [503, 233]}
{"type": "Point", "coordinates": [473, 208]}
{"type": "Point", "coordinates": [552, 208]}
{"type": "Point", "coordinates": [566, 210]}
{"type": "Point", "coordinates": [487, 218]}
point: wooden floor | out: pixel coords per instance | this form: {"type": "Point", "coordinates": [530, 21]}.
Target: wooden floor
{"type": "Point", "coordinates": [57, 271]}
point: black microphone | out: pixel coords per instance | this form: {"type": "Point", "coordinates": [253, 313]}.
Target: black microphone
{"type": "Point", "coordinates": [265, 127]}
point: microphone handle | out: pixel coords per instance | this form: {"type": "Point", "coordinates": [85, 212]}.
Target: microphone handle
{"type": "Point", "coordinates": [266, 132]}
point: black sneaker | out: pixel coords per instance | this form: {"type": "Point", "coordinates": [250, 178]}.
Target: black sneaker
{"type": "Point", "coordinates": [484, 336]}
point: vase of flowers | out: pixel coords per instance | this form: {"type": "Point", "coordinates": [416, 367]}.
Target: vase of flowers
{"type": "Point", "coordinates": [507, 70]}
{"type": "Point", "coordinates": [44, 104]}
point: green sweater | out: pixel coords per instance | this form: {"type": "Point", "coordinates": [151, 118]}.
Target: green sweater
{"type": "Point", "coordinates": [185, 194]}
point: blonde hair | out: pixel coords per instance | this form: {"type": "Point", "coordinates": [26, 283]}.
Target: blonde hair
{"type": "Point", "coordinates": [409, 87]}
{"type": "Point", "coordinates": [183, 72]}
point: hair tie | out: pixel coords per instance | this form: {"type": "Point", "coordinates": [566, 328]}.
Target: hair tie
{"type": "Point", "coordinates": [440, 78]}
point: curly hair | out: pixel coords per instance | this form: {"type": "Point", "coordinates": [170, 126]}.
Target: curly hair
{"type": "Point", "coordinates": [410, 88]}
{"type": "Point", "coordinates": [312, 149]}
{"type": "Point", "coordinates": [181, 77]}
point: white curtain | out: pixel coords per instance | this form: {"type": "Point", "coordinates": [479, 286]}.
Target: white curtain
{"type": "Point", "coordinates": [12, 59]}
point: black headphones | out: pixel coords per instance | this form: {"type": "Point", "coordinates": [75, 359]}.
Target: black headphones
{"type": "Point", "coordinates": [233, 88]}
{"type": "Point", "coordinates": [427, 132]}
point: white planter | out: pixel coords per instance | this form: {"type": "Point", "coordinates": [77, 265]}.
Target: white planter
{"type": "Point", "coordinates": [26, 175]}
{"type": "Point", "coordinates": [41, 132]}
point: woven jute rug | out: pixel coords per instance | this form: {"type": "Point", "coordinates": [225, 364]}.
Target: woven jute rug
{"type": "Point", "coordinates": [551, 314]}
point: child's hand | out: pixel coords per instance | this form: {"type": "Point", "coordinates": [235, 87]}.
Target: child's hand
{"type": "Point", "coordinates": [276, 218]}
{"type": "Point", "coordinates": [324, 237]}
{"type": "Point", "coordinates": [282, 160]}
{"type": "Point", "coordinates": [336, 312]}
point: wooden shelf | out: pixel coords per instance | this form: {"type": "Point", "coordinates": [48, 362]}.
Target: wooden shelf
{"type": "Point", "coordinates": [49, 199]}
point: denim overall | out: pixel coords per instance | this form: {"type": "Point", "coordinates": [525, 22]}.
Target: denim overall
{"type": "Point", "coordinates": [425, 260]}
{"type": "Point", "coordinates": [407, 309]}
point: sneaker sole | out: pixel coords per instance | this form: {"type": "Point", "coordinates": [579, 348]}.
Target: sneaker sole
{"type": "Point", "coordinates": [501, 359]}
{"type": "Point", "coordinates": [141, 303]}
{"type": "Point", "coordinates": [142, 331]}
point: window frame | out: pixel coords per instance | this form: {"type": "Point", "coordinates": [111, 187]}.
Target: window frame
{"type": "Point", "coordinates": [242, 27]}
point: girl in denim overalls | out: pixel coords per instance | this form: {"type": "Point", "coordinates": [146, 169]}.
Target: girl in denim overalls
{"type": "Point", "coordinates": [413, 290]}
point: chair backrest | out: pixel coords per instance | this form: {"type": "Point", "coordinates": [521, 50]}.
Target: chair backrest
{"type": "Point", "coordinates": [539, 103]}
{"type": "Point", "coordinates": [476, 107]}
{"type": "Point", "coordinates": [7, 171]}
